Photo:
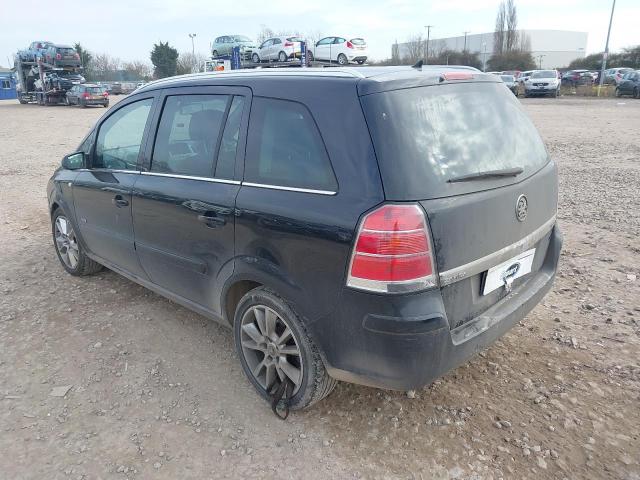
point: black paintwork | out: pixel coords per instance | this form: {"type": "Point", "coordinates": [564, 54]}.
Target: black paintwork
{"type": "Point", "coordinates": [194, 240]}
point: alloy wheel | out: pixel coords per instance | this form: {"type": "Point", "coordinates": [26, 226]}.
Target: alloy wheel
{"type": "Point", "coordinates": [270, 348]}
{"type": "Point", "coordinates": [66, 242]}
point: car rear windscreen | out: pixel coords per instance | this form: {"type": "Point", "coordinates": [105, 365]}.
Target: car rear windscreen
{"type": "Point", "coordinates": [358, 41]}
{"type": "Point", "coordinates": [425, 136]}
{"type": "Point", "coordinates": [95, 90]}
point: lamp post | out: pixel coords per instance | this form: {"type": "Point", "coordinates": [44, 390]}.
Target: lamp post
{"type": "Point", "coordinates": [484, 56]}
{"type": "Point", "coordinates": [465, 41]}
{"type": "Point", "coordinates": [540, 61]}
{"type": "Point", "coordinates": [193, 52]}
{"type": "Point", "coordinates": [426, 55]}
{"type": "Point", "coordinates": [606, 50]}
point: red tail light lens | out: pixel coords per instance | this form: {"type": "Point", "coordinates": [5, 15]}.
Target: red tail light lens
{"type": "Point", "coordinates": [58, 56]}
{"type": "Point", "coordinates": [392, 251]}
{"type": "Point", "coordinates": [288, 44]}
{"type": "Point", "coordinates": [77, 56]}
{"type": "Point", "coordinates": [457, 76]}
{"type": "Point", "coordinates": [85, 95]}
{"type": "Point", "coordinates": [349, 45]}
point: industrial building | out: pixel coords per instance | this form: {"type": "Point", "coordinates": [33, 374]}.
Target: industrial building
{"type": "Point", "coordinates": [550, 48]}
{"type": "Point", "coordinates": [7, 85]}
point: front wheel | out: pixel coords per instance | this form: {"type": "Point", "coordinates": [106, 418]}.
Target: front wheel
{"type": "Point", "coordinates": [214, 54]}
{"type": "Point", "coordinates": [282, 57]}
{"type": "Point", "coordinates": [70, 253]}
{"type": "Point", "coordinates": [274, 347]}
{"type": "Point", "coordinates": [310, 54]}
{"type": "Point", "coordinates": [636, 92]}
{"type": "Point", "coordinates": [255, 58]}
{"type": "Point", "coordinates": [342, 59]}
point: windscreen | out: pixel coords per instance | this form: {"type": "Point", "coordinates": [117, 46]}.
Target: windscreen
{"type": "Point", "coordinates": [358, 41]}
{"type": "Point", "coordinates": [425, 136]}
{"type": "Point", "coordinates": [507, 78]}
{"type": "Point", "coordinates": [544, 74]}
{"type": "Point", "coordinates": [241, 38]}
{"type": "Point", "coordinates": [294, 39]}
{"type": "Point", "coordinates": [66, 51]}
{"type": "Point", "coordinates": [95, 90]}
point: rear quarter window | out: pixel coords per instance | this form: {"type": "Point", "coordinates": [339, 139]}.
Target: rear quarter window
{"type": "Point", "coordinates": [285, 149]}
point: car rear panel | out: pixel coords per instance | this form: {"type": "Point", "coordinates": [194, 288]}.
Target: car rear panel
{"type": "Point", "coordinates": [464, 129]}
{"type": "Point", "coordinates": [469, 228]}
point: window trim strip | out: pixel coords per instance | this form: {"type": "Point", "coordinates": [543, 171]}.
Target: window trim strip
{"type": "Point", "coordinates": [192, 177]}
{"type": "Point", "coordinates": [289, 189]}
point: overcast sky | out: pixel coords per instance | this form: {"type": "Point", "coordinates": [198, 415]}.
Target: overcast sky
{"type": "Point", "coordinates": [128, 28]}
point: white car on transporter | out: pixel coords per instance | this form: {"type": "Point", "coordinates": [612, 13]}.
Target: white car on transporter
{"type": "Point", "coordinates": [342, 50]}
{"type": "Point", "coordinates": [278, 49]}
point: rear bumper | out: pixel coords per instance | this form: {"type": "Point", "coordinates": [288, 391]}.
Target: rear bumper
{"type": "Point", "coordinates": [404, 342]}
{"type": "Point", "coordinates": [541, 91]}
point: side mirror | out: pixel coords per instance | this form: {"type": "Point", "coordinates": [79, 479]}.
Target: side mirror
{"type": "Point", "coordinates": [73, 161]}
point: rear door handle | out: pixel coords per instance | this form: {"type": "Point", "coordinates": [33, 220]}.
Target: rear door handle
{"type": "Point", "coordinates": [120, 202]}
{"type": "Point", "coordinates": [211, 221]}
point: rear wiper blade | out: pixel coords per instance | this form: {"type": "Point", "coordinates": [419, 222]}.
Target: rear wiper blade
{"type": "Point", "coordinates": [507, 172]}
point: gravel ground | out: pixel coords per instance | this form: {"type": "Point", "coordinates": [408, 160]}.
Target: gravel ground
{"type": "Point", "coordinates": [156, 391]}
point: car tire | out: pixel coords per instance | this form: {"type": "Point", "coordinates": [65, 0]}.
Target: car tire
{"type": "Point", "coordinates": [82, 104]}
{"type": "Point", "coordinates": [342, 59]}
{"type": "Point", "coordinates": [255, 58]}
{"type": "Point", "coordinates": [360, 62]}
{"type": "Point", "coordinates": [636, 92]}
{"type": "Point", "coordinates": [214, 54]}
{"type": "Point", "coordinates": [617, 93]}
{"type": "Point", "coordinates": [70, 252]}
{"type": "Point", "coordinates": [260, 349]}
{"type": "Point", "coordinates": [282, 57]}
{"type": "Point", "coordinates": [310, 55]}
{"type": "Point", "coordinates": [105, 105]}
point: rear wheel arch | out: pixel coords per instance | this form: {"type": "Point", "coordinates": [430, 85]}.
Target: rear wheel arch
{"type": "Point", "coordinates": [233, 294]}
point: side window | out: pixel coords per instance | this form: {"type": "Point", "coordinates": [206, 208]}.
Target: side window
{"type": "Point", "coordinates": [339, 40]}
{"type": "Point", "coordinates": [6, 84]}
{"type": "Point", "coordinates": [120, 137]}
{"type": "Point", "coordinates": [285, 148]}
{"type": "Point", "coordinates": [276, 41]}
{"type": "Point", "coordinates": [188, 134]}
{"type": "Point", "coordinates": [326, 41]}
{"type": "Point", "coordinates": [229, 144]}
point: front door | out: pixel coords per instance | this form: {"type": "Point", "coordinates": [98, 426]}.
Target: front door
{"type": "Point", "coordinates": [102, 193]}
{"type": "Point", "coordinates": [183, 202]}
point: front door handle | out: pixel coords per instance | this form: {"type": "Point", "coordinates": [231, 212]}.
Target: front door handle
{"type": "Point", "coordinates": [211, 221]}
{"type": "Point", "coordinates": [120, 202]}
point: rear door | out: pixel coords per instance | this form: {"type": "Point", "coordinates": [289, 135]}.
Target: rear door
{"type": "Point", "coordinates": [102, 193]}
{"type": "Point", "coordinates": [432, 144]}
{"type": "Point", "coordinates": [183, 202]}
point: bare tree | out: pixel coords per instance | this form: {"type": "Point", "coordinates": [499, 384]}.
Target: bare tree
{"type": "Point", "coordinates": [525, 43]}
{"type": "Point", "coordinates": [265, 32]}
{"type": "Point", "coordinates": [188, 62]}
{"type": "Point", "coordinates": [138, 70]}
{"type": "Point", "coordinates": [105, 66]}
{"type": "Point", "coordinates": [511, 41]}
{"type": "Point", "coordinates": [413, 49]}
{"type": "Point", "coordinates": [498, 35]}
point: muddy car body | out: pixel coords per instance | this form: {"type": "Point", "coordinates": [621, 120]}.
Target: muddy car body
{"type": "Point", "coordinates": [383, 245]}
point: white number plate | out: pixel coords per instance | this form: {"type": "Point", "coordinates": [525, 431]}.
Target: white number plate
{"type": "Point", "coordinates": [510, 270]}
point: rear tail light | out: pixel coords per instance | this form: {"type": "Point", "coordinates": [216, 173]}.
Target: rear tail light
{"type": "Point", "coordinates": [349, 45]}
{"type": "Point", "coordinates": [85, 95]}
{"type": "Point", "coordinates": [106, 94]}
{"type": "Point", "coordinates": [392, 252]}
{"type": "Point", "coordinates": [288, 44]}
{"type": "Point", "coordinates": [58, 56]}
{"type": "Point", "coordinates": [457, 76]}
{"type": "Point", "coordinates": [77, 56]}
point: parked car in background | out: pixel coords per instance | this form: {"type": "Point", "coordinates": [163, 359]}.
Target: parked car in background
{"type": "Point", "coordinates": [278, 49]}
{"type": "Point", "coordinates": [88, 94]}
{"type": "Point", "coordinates": [614, 75]}
{"type": "Point", "coordinates": [629, 85]}
{"type": "Point", "coordinates": [116, 89]}
{"type": "Point", "coordinates": [337, 247]}
{"type": "Point", "coordinates": [511, 83]}
{"type": "Point", "coordinates": [36, 50]}
{"type": "Point", "coordinates": [339, 50]}
{"type": "Point", "coordinates": [224, 46]}
{"type": "Point", "coordinates": [516, 73]}
{"type": "Point", "coordinates": [577, 77]}
{"type": "Point", "coordinates": [62, 56]}
{"type": "Point", "coordinates": [541, 83]}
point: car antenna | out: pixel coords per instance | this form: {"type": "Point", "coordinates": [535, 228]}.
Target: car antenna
{"type": "Point", "coordinates": [418, 65]}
